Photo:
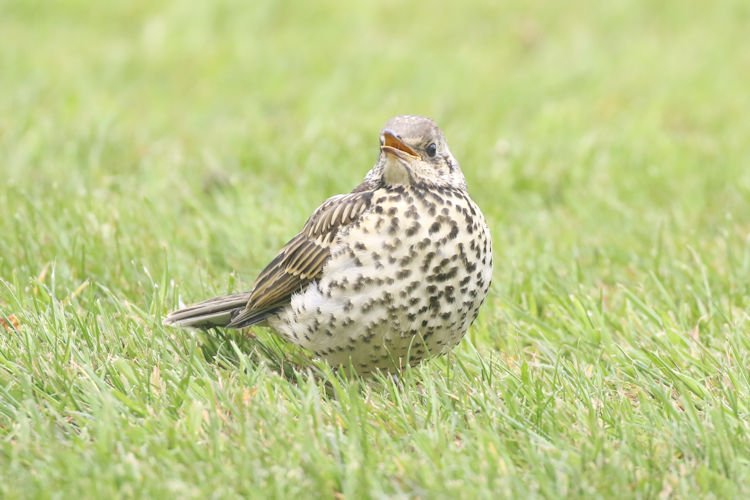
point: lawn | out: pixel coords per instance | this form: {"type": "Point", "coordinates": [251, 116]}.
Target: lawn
{"type": "Point", "coordinates": [153, 153]}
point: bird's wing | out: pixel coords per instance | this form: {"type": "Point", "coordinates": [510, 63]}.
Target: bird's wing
{"type": "Point", "coordinates": [302, 259]}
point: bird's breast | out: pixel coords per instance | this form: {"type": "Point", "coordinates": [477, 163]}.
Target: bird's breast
{"type": "Point", "coordinates": [406, 279]}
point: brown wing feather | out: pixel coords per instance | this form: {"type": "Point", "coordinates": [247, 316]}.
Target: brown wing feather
{"type": "Point", "coordinates": [302, 259]}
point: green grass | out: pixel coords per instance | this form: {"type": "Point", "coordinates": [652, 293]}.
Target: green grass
{"type": "Point", "coordinates": [156, 153]}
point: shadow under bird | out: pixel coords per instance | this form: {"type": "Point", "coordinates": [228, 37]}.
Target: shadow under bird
{"type": "Point", "coordinates": [391, 273]}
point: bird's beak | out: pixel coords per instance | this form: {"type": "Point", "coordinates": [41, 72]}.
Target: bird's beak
{"type": "Point", "coordinates": [394, 146]}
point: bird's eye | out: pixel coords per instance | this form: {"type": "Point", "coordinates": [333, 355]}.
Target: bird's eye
{"type": "Point", "coordinates": [431, 150]}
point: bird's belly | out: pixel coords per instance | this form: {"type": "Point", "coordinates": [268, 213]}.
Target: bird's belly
{"type": "Point", "coordinates": [392, 294]}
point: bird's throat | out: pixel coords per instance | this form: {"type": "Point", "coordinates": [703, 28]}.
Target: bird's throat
{"type": "Point", "coordinates": [396, 172]}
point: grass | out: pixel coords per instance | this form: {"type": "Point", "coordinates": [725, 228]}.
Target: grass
{"type": "Point", "coordinates": [151, 153]}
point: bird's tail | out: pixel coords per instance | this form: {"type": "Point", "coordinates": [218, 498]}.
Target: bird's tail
{"type": "Point", "coordinates": [210, 313]}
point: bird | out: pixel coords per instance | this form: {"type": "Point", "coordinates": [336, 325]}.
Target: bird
{"type": "Point", "coordinates": [388, 275]}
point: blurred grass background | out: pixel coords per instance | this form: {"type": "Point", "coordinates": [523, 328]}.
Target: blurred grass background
{"type": "Point", "coordinates": [157, 151]}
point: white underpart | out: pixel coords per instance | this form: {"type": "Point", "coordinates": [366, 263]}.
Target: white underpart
{"type": "Point", "coordinates": [361, 301]}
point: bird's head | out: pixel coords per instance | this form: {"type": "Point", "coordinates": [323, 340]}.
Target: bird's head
{"type": "Point", "coordinates": [413, 150]}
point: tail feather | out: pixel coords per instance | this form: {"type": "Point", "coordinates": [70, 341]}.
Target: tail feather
{"type": "Point", "coordinates": [217, 311]}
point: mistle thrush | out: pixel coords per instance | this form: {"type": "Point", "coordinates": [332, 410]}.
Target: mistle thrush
{"type": "Point", "coordinates": [393, 272]}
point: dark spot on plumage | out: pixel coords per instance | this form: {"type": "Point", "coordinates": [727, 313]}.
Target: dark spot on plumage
{"type": "Point", "coordinates": [388, 247]}
{"type": "Point", "coordinates": [446, 276]}
{"type": "Point", "coordinates": [435, 196]}
{"type": "Point", "coordinates": [392, 211]}
{"type": "Point", "coordinates": [435, 227]}
{"type": "Point", "coordinates": [406, 260]}
{"type": "Point", "coordinates": [453, 232]}
{"type": "Point", "coordinates": [379, 209]}
{"type": "Point", "coordinates": [427, 260]}
{"type": "Point", "coordinates": [403, 274]}
{"type": "Point", "coordinates": [413, 301]}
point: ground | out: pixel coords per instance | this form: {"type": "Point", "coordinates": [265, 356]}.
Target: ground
{"type": "Point", "coordinates": [158, 152]}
